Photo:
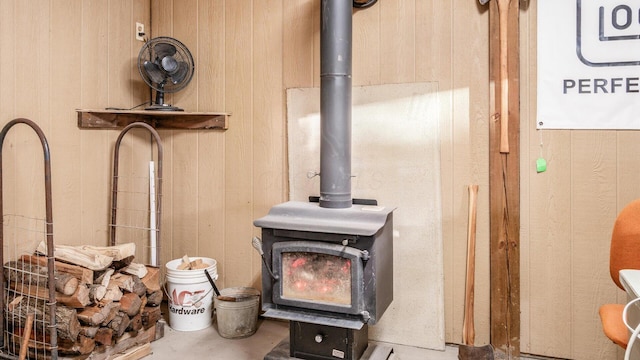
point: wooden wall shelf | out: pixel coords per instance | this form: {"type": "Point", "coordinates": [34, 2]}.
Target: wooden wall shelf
{"type": "Point", "coordinates": [115, 119]}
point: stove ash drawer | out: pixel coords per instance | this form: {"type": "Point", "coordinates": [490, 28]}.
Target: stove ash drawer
{"type": "Point", "coordinates": [319, 342]}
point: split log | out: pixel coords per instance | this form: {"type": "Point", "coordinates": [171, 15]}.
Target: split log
{"type": "Point", "coordinates": [152, 279]}
{"type": "Point", "coordinates": [130, 304]}
{"type": "Point", "coordinates": [124, 343]}
{"type": "Point", "coordinates": [65, 283]}
{"type": "Point", "coordinates": [119, 324]}
{"type": "Point", "coordinates": [15, 336]}
{"type": "Point", "coordinates": [135, 353]}
{"type": "Point", "coordinates": [117, 252]}
{"type": "Point", "coordinates": [136, 323]}
{"type": "Point", "coordinates": [92, 315]}
{"type": "Point", "coordinates": [82, 346]}
{"type": "Point", "coordinates": [123, 263]}
{"type": "Point", "coordinates": [123, 281]}
{"type": "Point", "coordinates": [66, 318]}
{"type": "Point", "coordinates": [136, 269]}
{"type": "Point", "coordinates": [79, 299]}
{"type": "Point", "coordinates": [67, 323]}
{"type": "Point", "coordinates": [104, 336]}
{"type": "Point", "coordinates": [188, 264]}
{"type": "Point", "coordinates": [96, 314]}
{"type": "Point", "coordinates": [84, 275]}
{"type": "Point", "coordinates": [25, 336]}
{"type": "Point", "coordinates": [26, 273]}
{"type": "Point", "coordinates": [138, 286]}
{"type": "Point", "coordinates": [97, 292]}
{"type": "Point", "coordinates": [150, 316]}
{"type": "Point", "coordinates": [113, 293]}
{"type": "Point", "coordinates": [33, 274]}
{"type": "Point", "coordinates": [143, 303]}
{"type": "Point", "coordinates": [155, 298]}
{"type": "Point", "coordinates": [114, 309]}
{"type": "Point", "coordinates": [104, 277]}
{"type": "Point", "coordinates": [99, 288]}
{"type": "Point", "coordinates": [93, 260]}
{"type": "Point", "coordinates": [89, 331]}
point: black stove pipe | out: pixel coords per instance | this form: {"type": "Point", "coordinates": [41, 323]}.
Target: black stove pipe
{"type": "Point", "coordinates": [335, 103]}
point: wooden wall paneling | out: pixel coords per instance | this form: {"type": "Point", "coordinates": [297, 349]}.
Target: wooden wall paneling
{"type": "Point", "coordinates": [546, 247]}
{"type": "Point", "coordinates": [211, 158]}
{"type": "Point", "coordinates": [140, 12]}
{"type": "Point", "coordinates": [238, 146]}
{"type": "Point", "coordinates": [434, 56]}
{"type": "Point", "coordinates": [8, 63]}
{"type": "Point", "coordinates": [504, 190]}
{"type": "Point", "coordinates": [628, 189]}
{"type": "Point", "coordinates": [119, 47]}
{"type": "Point", "coordinates": [298, 42]}
{"type": "Point", "coordinates": [162, 22]}
{"type": "Point", "coordinates": [139, 140]}
{"type": "Point", "coordinates": [96, 147]}
{"type": "Point", "coordinates": [185, 143]}
{"type": "Point", "coordinates": [433, 41]}
{"type": "Point", "coordinates": [398, 25]}
{"type": "Point", "coordinates": [466, 140]}
{"type": "Point", "coordinates": [315, 21]}
{"type": "Point", "coordinates": [162, 25]}
{"type": "Point", "coordinates": [7, 58]}
{"type": "Point", "coordinates": [593, 211]}
{"type": "Point", "coordinates": [32, 87]}
{"type": "Point", "coordinates": [366, 46]}
{"type": "Point", "coordinates": [65, 96]}
{"type": "Point", "coordinates": [119, 52]}
{"type": "Point", "coordinates": [269, 117]}
{"type": "Point", "coordinates": [628, 167]}
{"type": "Point", "coordinates": [186, 20]}
{"type": "Point", "coordinates": [162, 18]}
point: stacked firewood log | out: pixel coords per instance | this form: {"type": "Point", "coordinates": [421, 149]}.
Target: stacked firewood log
{"type": "Point", "coordinates": [106, 303]}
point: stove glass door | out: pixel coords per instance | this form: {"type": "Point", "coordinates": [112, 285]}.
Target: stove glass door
{"type": "Point", "coordinates": [316, 277]}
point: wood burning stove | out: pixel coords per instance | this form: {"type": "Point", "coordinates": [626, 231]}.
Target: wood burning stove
{"type": "Point", "coordinates": [328, 266]}
{"type": "Point", "coordinates": [328, 271]}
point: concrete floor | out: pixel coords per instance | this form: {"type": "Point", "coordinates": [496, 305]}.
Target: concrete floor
{"type": "Point", "coordinates": [207, 344]}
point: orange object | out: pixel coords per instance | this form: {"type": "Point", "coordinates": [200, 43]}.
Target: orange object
{"type": "Point", "coordinates": [624, 254]}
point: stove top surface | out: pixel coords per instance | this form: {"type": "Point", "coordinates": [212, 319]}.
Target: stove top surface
{"type": "Point", "coordinates": [363, 220]}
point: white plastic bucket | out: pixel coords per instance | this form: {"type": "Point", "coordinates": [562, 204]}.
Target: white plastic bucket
{"type": "Point", "coordinates": [190, 295]}
{"type": "Point", "coordinates": [237, 319]}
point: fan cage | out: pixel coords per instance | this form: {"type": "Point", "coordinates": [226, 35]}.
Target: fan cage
{"type": "Point", "coordinates": [147, 53]}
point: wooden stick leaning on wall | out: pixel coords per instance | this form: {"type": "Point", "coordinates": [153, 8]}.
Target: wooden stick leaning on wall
{"type": "Point", "coordinates": [504, 189]}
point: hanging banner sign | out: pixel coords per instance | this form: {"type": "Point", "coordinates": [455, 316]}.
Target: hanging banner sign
{"type": "Point", "coordinates": [588, 64]}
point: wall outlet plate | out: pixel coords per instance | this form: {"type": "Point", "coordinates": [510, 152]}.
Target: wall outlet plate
{"type": "Point", "coordinates": [139, 31]}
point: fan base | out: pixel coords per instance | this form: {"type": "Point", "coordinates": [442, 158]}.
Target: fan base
{"type": "Point", "coordinates": [163, 107]}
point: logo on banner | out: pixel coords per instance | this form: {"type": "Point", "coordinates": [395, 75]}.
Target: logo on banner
{"type": "Point", "coordinates": [606, 31]}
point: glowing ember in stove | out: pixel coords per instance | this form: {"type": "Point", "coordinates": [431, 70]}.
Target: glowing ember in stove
{"type": "Point", "coordinates": [316, 277]}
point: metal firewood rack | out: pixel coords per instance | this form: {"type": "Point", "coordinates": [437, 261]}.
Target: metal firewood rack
{"type": "Point", "coordinates": [130, 222]}
{"type": "Point", "coordinates": [25, 309]}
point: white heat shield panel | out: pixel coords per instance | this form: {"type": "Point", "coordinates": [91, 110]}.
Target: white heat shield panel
{"type": "Point", "coordinates": [396, 161]}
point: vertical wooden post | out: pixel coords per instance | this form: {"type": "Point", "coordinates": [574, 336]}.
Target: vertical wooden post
{"type": "Point", "coordinates": [504, 192]}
